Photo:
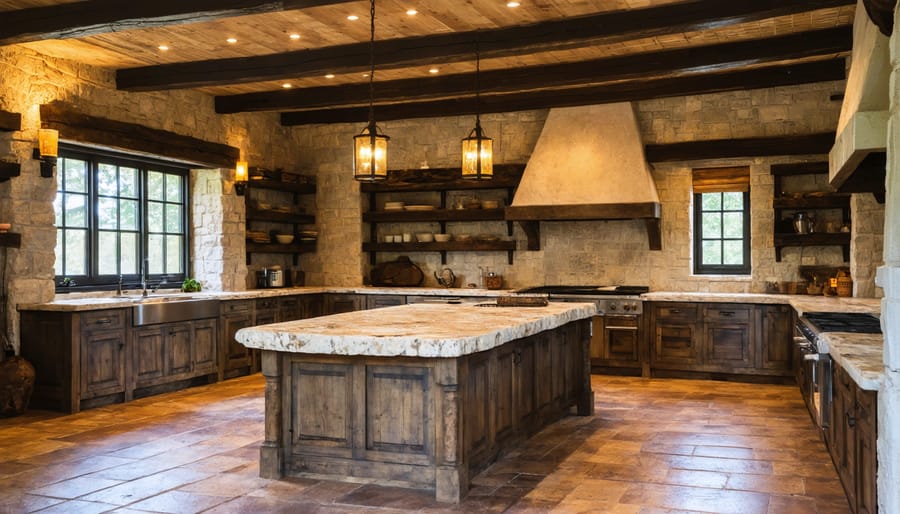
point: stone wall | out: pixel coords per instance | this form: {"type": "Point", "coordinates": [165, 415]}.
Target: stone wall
{"type": "Point", "coordinates": [597, 251]}
{"type": "Point", "coordinates": [29, 79]}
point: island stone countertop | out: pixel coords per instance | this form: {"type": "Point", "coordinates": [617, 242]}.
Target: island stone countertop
{"type": "Point", "coordinates": [414, 330]}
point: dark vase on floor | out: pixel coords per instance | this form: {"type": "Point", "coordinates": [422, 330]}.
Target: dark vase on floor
{"type": "Point", "coordinates": [16, 385]}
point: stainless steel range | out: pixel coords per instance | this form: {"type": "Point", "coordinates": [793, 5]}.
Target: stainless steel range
{"type": "Point", "coordinates": [814, 362]}
{"type": "Point", "coordinates": [615, 330]}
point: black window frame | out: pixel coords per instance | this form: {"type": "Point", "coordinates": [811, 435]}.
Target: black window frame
{"type": "Point", "coordinates": [720, 269]}
{"type": "Point", "coordinates": [94, 281]}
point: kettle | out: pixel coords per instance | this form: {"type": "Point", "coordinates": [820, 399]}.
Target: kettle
{"type": "Point", "coordinates": [803, 223]}
{"type": "Point", "coordinates": [446, 278]}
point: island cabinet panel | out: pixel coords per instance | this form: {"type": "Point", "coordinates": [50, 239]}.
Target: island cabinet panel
{"type": "Point", "coordinates": [427, 423]}
{"type": "Point", "coordinates": [399, 404]}
{"type": "Point", "coordinates": [323, 427]}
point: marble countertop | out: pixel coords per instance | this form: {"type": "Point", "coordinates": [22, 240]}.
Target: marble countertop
{"type": "Point", "coordinates": [74, 302]}
{"type": "Point", "coordinates": [802, 303]}
{"type": "Point", "coordinates": [414, 330]}
{"type": "Point", "coordinates": [861, 356]}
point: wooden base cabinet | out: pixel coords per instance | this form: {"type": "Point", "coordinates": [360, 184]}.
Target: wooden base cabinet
{"type": "Point", "coordinates": [720, 339]}
{"type": "Point", "coordinates": [429, 423]}
{"type": "Point", "coordinates": [79, 357]}
{"type": "Point", "coordinates": [170, 352]}
{"type": "Point", "coordinates": [851, 439]}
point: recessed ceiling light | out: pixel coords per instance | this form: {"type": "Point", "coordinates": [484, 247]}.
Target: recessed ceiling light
{"type": "Point", "coordinates": [433, 70]}
{"type": "Point", "coordinates": [512, 4]}
{"type": "Point", "coordinates": [412, 12]}
{"type": "Point", "coordinates": [164, 48]}
{"type": "Point", "coordinates": [295, 36]}
{"type": "Point", "coordinates": [287, 85]}
{"type": "Point", "coordinates": [231, 40]}
{"type": "Point", "coordinates": [329, 76]}
{"type": "Point", "coordinates": [353, 17]}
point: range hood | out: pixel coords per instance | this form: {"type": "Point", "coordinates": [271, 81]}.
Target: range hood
{"type": "Point", "coordinates": [857, 161]}
{"type": "Point", "coordinates": [588, 164]}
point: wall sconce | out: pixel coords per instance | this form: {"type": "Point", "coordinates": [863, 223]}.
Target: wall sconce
{"type": "Point", "coordinates": [240, 178]}
{"type": "Point", "coordinates": [47, 151]}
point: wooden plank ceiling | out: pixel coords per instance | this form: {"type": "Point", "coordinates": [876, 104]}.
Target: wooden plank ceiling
{"type": "Point", "coordinates": [543, 53]}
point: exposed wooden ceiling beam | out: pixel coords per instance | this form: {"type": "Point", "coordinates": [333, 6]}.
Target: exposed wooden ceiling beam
{"type": "Point", "coordinates": [807, 144]}
{"type": "Point", "coordinates": [605, 28]}
{"type": "Point", "coordinates": [827, 42]}
{"type": "Point", "coordinates": [89, 17]}
{"type": "Point", "coordinates": [74, 125]}
{"type": "Point", "coordinates": [627, 91]}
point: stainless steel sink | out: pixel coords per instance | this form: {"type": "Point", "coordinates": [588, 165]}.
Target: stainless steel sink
{"type": "Point", "coordinates": [168, 309]}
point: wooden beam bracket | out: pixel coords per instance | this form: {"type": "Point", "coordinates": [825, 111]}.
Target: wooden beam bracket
{"type": "Point", "coordinates": [532, 230]}
{"type": "Point", "coordinates": [9, 170]}
{"type": "Point", "coordinates": [10, 121]}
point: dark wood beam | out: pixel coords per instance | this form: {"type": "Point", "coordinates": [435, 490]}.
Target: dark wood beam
{"type": "Point", "coordinates": [89, 17]}
{"type": "Point", "coordinates": [76, 126]}
{"type": "Point", "coordinates": [10, 121]}
{"type": "Point", "coordinates": [629, 91]}
{"type": "Point", "coordinates": [9, 170]}
{"type": "Point", "coordinates": [830, 42]}
{"type": "Point", "coordinates": [807, 144]}
{"type": "Point", "coordinates": [605, 28]}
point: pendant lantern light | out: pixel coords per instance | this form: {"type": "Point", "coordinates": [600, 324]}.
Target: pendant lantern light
{"type": "Point", "coordinates": [477, 149]}
{"type": "Point", "coordinates": [370, 147]}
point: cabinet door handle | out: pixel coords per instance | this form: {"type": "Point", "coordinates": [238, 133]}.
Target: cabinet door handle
{"type": "Point", "coordinates": [727, 314]}
{"type": "Point", "coordinates": [851, 419]}
{"type": "Point", "coordinates": [104, 321]}
{"type": "Point", "coordinates": [675, 311]}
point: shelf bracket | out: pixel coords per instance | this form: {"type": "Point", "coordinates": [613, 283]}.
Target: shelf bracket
{"type": "Point", "coordinates": [532, 230]}
{"type": "Point", "coordinates": [654, 236]}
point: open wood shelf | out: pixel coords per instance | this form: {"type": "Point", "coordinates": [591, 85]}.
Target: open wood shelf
{"type": "Point", "coordinates": [449, 246]}
{"type": "Point", "coordinates": [435, 215]}
{"type": "Point", "coordinates": [9, 170]}
{"type": "Point", "coordinates": [809, 201]}
{"type": "Point", "coordinates": [299, 247]}
{"type": "Point", "coordinates": [279, 217]}
{"type": "Point", "coordinates": [304, 186]}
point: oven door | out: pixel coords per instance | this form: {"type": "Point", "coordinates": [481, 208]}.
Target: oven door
{"type": "Point", "coordinates": [814, 379]}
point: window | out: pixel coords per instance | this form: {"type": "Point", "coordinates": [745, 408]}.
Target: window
{"type": "Point", "coordinates": [116, 213]}
{"type": "Point", "coordinates": [722, 221]}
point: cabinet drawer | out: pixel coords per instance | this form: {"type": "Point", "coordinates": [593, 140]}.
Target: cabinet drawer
{"type": "Point", "coordinates": [687, 311]}
{"type": "Point", "coordinates": [727, 313]}
{"type": "Point", "coordinates": [267, 303]}
{"type": "Point", "coordinates": [113, 319]}
{"type": "Point", "coordinates": [238, 306]}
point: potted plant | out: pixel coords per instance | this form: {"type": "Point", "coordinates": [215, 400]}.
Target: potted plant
{"type": "Point", "coordinates": [191, 285]}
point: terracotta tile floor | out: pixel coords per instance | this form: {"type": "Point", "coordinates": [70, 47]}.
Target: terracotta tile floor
{"type": "Point", "coordinates": [654, 446]}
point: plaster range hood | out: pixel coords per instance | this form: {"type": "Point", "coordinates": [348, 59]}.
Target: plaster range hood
{"type": "Point", "coordinates": [857, 161]}
{"type": "Point", "coordinates": [588, 164]}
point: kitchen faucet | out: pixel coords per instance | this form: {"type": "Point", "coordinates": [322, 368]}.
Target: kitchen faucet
{"type": "Point", "coordinates": [144, 270]}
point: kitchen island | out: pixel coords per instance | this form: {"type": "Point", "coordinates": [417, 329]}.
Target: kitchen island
{"type": "Point", "coordinates": [420, 396]}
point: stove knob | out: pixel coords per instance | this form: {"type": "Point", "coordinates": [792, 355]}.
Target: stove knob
{"type": "Point", "coordinates": [612, 306]}
{"type": "Point", "coordinates": [626, 307]}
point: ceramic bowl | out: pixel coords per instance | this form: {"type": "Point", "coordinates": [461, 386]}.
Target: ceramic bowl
{"type": "Point", "coordinates": [442, 238]}
{"type": "Point", "coordinates": [490, 204]}
{"type": "Point", "coordinates": [424, 237]}
{"type": "Point", "coordinates": [284, 239]}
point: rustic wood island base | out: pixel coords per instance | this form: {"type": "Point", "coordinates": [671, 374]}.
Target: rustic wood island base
{"type": "Point", "coordinates": [401, 396]}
